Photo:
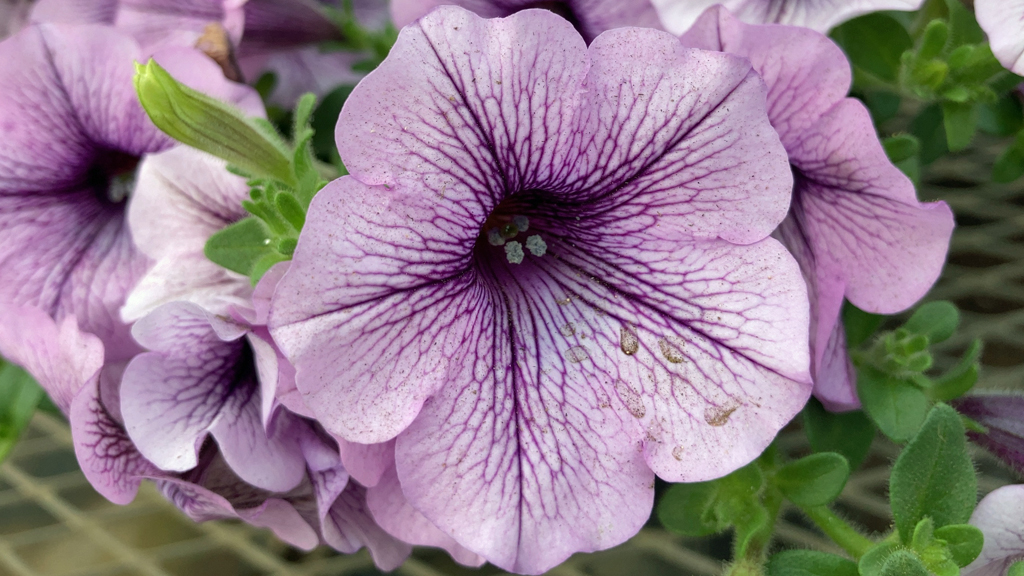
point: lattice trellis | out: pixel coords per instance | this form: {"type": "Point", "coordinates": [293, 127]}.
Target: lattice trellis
{"type": "Point", "coordinates": [53, 524]}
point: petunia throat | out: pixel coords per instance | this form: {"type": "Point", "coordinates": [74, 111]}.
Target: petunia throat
{"type": "Point", "coordinates": [112, 175]}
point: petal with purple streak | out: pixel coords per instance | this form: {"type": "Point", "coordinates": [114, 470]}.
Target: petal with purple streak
{"type": "Point", "coordinates": [195, 382]}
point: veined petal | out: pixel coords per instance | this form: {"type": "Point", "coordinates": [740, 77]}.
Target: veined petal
{"type": "Point", "coordinates": [392, 512]}
{"type": "Point", "coordinates": [862, 216]}
{"type": "Point", "coordinates": [806, 73]}
{"type": "Point", "coordinates": [195, 383]}
{"type": "Point", "coordinates": [1003, 22]}
{"type": "Point", "coordinates": [460, 126]}
{"type": "Point", "coordinates": [677, 143]}
{"type": "Point", "coordinates": [820, 15]}
{"type": "Point", "coordinates": [109, 459]}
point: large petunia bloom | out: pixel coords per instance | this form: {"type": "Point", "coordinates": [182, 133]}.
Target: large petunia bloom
{"type": "Point", "coordinates": [1003, 21]}
{"type": "Point", "coordinates": [549, 278]}
{"type": "Point", "coordinates": [1000, 517]}
{"type": "Point", "coordinates": [590, 17]}
{"type": "Point", "coordinates": [74, 134]}
{"type": "Point", "coordinates": [820, 15]}
{"type": "Point", "coordinates": [855, 225]}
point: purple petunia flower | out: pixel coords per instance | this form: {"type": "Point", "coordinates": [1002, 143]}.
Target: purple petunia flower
{"type": "Point", "coordinates": [1003, 416]}
{"type": "Point", "coordinates": [74, 135]}
{"type": "Point", "coordinates": [549, 278]}
{"type": "Point", "coordinates": [1000, 517]}
{"type": "Point", "coordinates": [855, 225]}
{"type": "Point", "coordinates": [820, 15]}
{"type": "Point", "coordinates": [1003, 22]}
{"type": "Point", "coordinates": [590, 17]}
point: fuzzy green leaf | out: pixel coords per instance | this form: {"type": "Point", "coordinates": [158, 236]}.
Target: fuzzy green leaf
{"type": "Point", "coordinates": [934, 476]}
{"type": "Point", "coordinates": [809, 563]}
{"type": "Point", "coordinates": [848, 433]}
{"type": "Point", "coordinates": [936, 320]}
{"type": "Point", "coordinates": [19, 396]}
{"type": "Point", "coordinates": [896, 406]}
{"type": "Point", "coordinates": [240, 246]}
{"type": "Point", "coordinates": [963, 541]}
{"type": "Point", "coordinates": [814, 480]}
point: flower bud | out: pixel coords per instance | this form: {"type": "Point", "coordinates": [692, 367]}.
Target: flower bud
{"type": "Point", "coordinates": [202, 122]}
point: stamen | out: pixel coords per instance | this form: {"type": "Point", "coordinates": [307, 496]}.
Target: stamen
{"type": "Point", "coordinates": [514, 252]}
{"type": "Point", "coordinates": [536, 245]}
{"type": "Point", "coordinates": [494, 237]}
{"type": "Point", "coordinates": [521, 222]}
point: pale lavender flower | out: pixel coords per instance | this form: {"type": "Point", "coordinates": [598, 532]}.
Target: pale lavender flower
{"type": "Point", "coordinates": [1000, 517]}
{"type": "Point", "coordinates": [1003, 22]}
{"type": "Point", "coordinates": [820, 15]}
{"type": "Point", "coordinates": [651, 327]}
{"type": "Point", "coordinates": [74, 133]}
{"type": "Point", "coordinates": [855, 225]}
{"type": "Point", "coordinates": [590, 17]}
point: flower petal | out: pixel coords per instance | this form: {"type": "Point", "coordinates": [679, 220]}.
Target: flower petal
{"type": "Point", "coordinates": [862, 216]}
{"type": "Point", "coordinates": [820, 15]}
{"type": "Point", "coordinates": [393, 513]}
{"type": "Point", "coordinates": [194, 383]}
{"type": "Point", "coordinates": [1003, 21]}
{"type": "Point", "coordinates": [592, 17]}
{"type": "Point", "coordinates": [349, 526]}
{"type": "Point", "coordinates": [806, 73]}
{"type": "Point", "coordinates": [1000, 517]}
{"type": "Point", "coordinates": [61, 358]}
{"type": "Point", "coordinates": [108, 458]}
{"type": "Point", "coordinates": [679, 144]}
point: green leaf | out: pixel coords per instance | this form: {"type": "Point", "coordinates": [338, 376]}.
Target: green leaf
{"type": "Point", "coordinates": [814, 480]}
{"type": "Point", "coordinates": [324, 120]}
{"type": "Point", "coordinates": [960, 378]}
{"type": "Point", "coordinates": [896, 406]}
{"type": "Point", "coordinates": [933, 41]}
{"type": "Point", "coordinates": [929, 129]}
{"type": "Point", "coordinates": [883, 105]}
{"type": "Point", "coordinates": [963, 541]}
{"type": "Point", "coordinates": [1004, 117]}
{"type": "Point", "coordinates": [936, 320]}
{"type": "Point", "coordinates": [809, 563]}
{"type": "Point", "coordinates": [1010, 164]}
{"type": "Point", "coordinates": [859, 325]}
{"type": "Point", "coordinates": [924, 534]}
{"type": "Point", "coordinates": [847, 433]}
{"type": "Point", "coordinates": [960, 121]}
{"type": "Point", "coordinates": [19, 396]}
{"type": "Point", "coordinates": [1017, 569]}
{"type": "Point", "coordinates": [688, 509]}
{"type": "Point", "coordinates": [240, 246]}
{"type": "Point", "coordinates": [963, 28]}
{"type": "Point", "coordinates": [210, 125]}
{"type": "Point", "coordinates": [934, 476]}
{"type": "Point", "coordinates": [903, 563]}
{"type": "Point", "coordinates": [874, 42]}
{"type": "Point", "coordinates": [873, 560]}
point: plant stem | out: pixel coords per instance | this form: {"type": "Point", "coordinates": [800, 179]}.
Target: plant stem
{"type": "Point", "coordinates": [848, 538]}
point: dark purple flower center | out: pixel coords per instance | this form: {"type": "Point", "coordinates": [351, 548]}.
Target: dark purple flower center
{"type": "Point", "coordinates": [112, 175]}
{"type": "Point", "coordinates": [508, 235]}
